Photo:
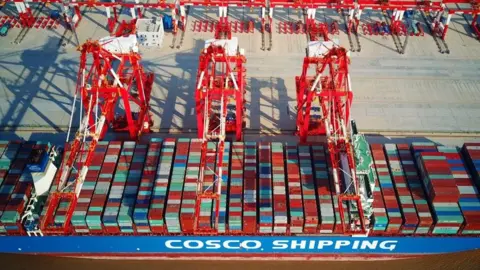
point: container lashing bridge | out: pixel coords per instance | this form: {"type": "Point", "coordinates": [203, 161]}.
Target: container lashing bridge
{"type": "Point", "coordinates": [110, 73]}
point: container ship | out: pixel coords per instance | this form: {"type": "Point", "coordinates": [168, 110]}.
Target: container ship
{"type": "Point", "coordinates": [329, 195]}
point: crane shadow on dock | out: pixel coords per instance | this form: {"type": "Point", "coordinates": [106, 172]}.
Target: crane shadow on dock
{"type": "Point", "coordinates": [37, 88]}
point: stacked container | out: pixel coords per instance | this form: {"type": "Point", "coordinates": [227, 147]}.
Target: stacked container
{"type": "Point", "coordinates": [102, 188]}
{"type": "Point", "coordinates": [140, 213]}
{"type": "Point", "coordinates": [79, 217]}
{"type": "Point", "coordinates": [125, 215]}
{"type": "Point", "coordinates": [222, 215]}
{"type": "Point", "coordinates": [159, 195]}
{"type": "Point", "coordinates": [294, 189]}
{"type": "Point", "coordinates": [172, 211]}
{"type": "Point", "coordinates": [308, 190]}
{"type": "Point", "coordinates": [250, 189]}
{"type": "Point", "coordinates": [388, 190]}
{"type": "Point", "coordinates": [54, 186]}
{"type": "Point", "coordinates": [207, 206]}
{"type": "Point", "coordinates": [16, 174]}
{"type": "Point", "coordinates": [410, 217]}
{"type": "Point", "coordinates": [189, 197]}
{"type": "Point", "coordinates": [111, 212]}
{"type": "Point", "coordinates": [235, 202]}
{"type": "Point", "coordinates": [8, 155]}
{"type": "Point", "coordinates": [471, 153]}
{"type": "Point", "coordinates": [280, 215]}
{"type": "Point", "coordinates": [469, 200]}
{"type": "Point", "coordinates": [419, 198]}
{"type": "Point", "coordinates": [338, 227]}
{"type": "Point", "coordinates": [324, 191]}
{"type": "Point", "coordinates": [441, 189]}
{"type": "Point", "coordinates": [265, 198]}
{"type": "Point", "coordinates": [380, 218]}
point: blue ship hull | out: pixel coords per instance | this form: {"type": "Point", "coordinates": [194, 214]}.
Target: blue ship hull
{"type": "Point", "coordinates": [235, 246]}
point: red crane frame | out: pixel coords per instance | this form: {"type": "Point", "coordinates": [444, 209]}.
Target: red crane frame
{"type": "Point", "coordinates": [330, 85]}
{"type": "Point", "coordinates": [218, 86]}
{"type": "Point", "coordinates": [102, 85]}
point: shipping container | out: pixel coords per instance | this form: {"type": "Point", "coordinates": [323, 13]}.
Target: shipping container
{"type": "Point", "coordinates": [79, 217]}
{"type": "Point", "coordinates": [419, 197]}
{"type": "Point", "coordinates": [235, 198]}
{"type": "Point", "coordinates": [142, 203]}
{"type": "Point", "coordinates": [280, 214]}
{"type": "Point", "coordinates": [265, 196]}
{"type": "Point", "coordinates": [250, 188]}
{"type": "Point", "coordinates": [328, 215]}
{"type": "Point", "coordinates": [102, 188]}
{"type": "Point", "coordinates": [225, 186]}
{"type": "Point", "coordinates": [16, 177]}
{"type": "Point", "coordinates": [404, 196]}
{"type": "Point", "coordinates": [388, 191]}
{"type": "Point", "coordinates": [469, 200]}
{"type": "Point", "coordinates": [309, 196]}
{"type": "Point", "coordinates": [111, 212]}
{"type": "Point", "coordinates": [156, 212]}
{"type": "Point", "coordinates": [177, 180]}
{"type": "Point", "coordinates": [295, 200]}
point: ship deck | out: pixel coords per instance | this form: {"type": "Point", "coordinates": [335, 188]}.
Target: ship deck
{"type": "Point", "coordinates": [419, 92]}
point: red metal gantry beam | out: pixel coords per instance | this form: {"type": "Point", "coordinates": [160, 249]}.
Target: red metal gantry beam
{"type": "Point", "coordinates": [108, 75]}
{"type": "Point", "coordinates": [323, 108]}
{"type": "Point", "coordinates": [219, 96]}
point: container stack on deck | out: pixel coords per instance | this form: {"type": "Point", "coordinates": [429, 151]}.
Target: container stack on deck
{"type": "Point", "coordinates": [409, 212]}
{"type": "Point", "coordinates": [294, 189]}
{"type": "Point", "coordinates": [12, 180]}
{"type": "Point", "coordinates": [324, 191]}
{"type": "Point", "coordinates": [222, 215]}
{"type": "Point", "coordinates": [144, 195]}
{"type": "Point", "coordinates": [280, 218]}
{"type": "Point", "coordinates": [207, 204]}
{"type": "Point", "coordinates": [172, 211]}
{"type": "Point", "coordinates": [265, 200]}
{"type": "Point", "coordinates": [266, 188]}
{"type": "Point", "coordinates": [440, 187]}
{"type": "Point", "coordinates": [79, 217]}
{"type": "Point", "coordinates": [187, 209]}
{"type": "Point", "coordinates": [125, 214]}
{"type": "Point", "coordinates": [110, 216]}
{"type": "Point", "coordinates": [160, 187]}
{"type": "Point", "coordinates": [415, 185]}
{"type": "Point", "coordinates": [250, 188]}
{"type": "Point", "coordinates": [469, 198]}
{"type": "Point", "coordinates": [235, 205]}
{"type": "Point", "coordinates": [102, 188]}
{"type": "Point", "coordinates": [394, 215]}
{"type": "Point", "coordinates": [308, 190]}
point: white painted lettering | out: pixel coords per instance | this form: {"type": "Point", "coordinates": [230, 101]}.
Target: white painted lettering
{"type": "Point", "coordinates": [341, 243]}
{"type": "Point", "coordinates": [248, 244]}
{"type": "Point", "coordinates": [213, 244]}
{"type": "Point", "coordinates": [390, 245]}
{"type": "Point", "coordinates": [169, 243]}
{"type": "Point", "coordinates": [295, 244]}
{"type": "Point", "coordinates": [324, 243]}
{"type": "Point", "coordinates": [370, 245]}
{"type": "Point", "coordinates": [226, 244]}
{"type": "Point", "coordinates": [193, 244]}
{"type": "Point", "coordinates": [280, 244]}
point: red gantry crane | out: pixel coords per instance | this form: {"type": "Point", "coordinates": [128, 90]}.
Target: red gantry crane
{"type": "Point", "coordinates": [219, 96]}
{"type": "Point", "coordinates": [324, 98]}
{"type": "Point", "coordinates": [110, 74]}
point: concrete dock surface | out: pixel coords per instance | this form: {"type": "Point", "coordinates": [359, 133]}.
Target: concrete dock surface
{"type": "Point", "coordinates": [420, 91]}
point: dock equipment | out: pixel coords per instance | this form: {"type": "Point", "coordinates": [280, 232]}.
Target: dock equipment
{"type": "Point", "coordinates": [219, 97]}
{"type": "Point", "coordinates": [110, 73]}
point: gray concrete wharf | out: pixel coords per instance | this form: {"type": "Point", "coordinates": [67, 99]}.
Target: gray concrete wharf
{"type": "Point", "coordinates": [419, 92]}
